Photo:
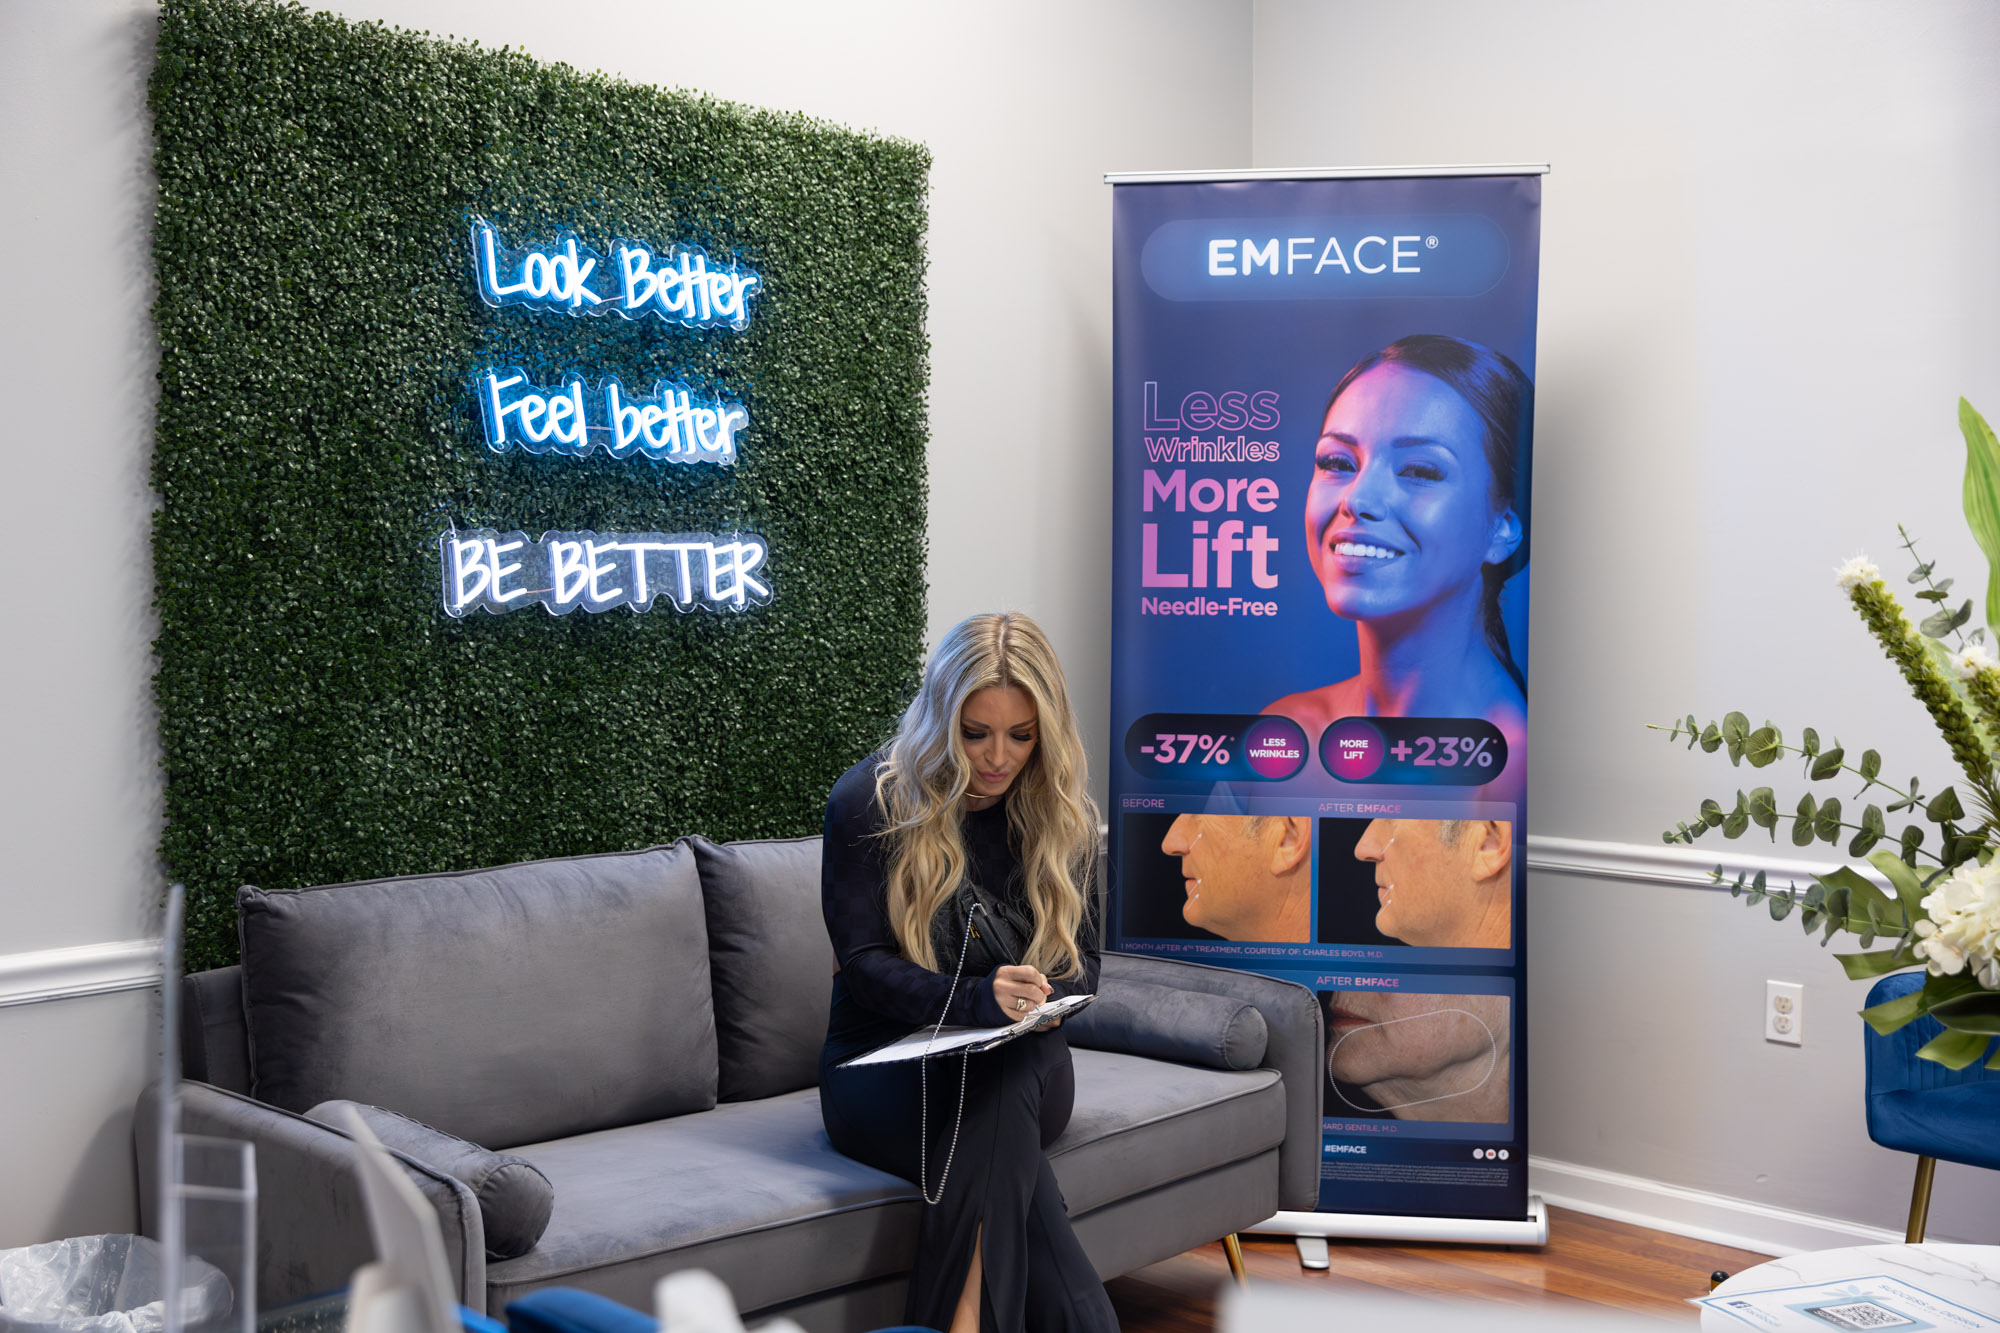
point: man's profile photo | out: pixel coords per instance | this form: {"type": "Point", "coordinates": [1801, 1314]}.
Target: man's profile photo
{"type": "Point", "coordinates": [1223, 877]}
{"type": "Point", "coordinates": [1422, 883]}
{"type": "Point", "coordinates": [1246, 877]}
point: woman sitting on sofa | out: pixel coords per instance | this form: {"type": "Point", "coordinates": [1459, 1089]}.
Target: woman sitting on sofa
{"type": "Point", "coordinates": [956, 864]}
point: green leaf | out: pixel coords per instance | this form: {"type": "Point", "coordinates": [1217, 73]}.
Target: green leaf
{"type": "Point", "coordinates": [1810, 743]}
{"type": "Point", "coordinates": [1826, 823]}
{"type": "Point", "coordinates": [1902, 878]}
{"type": "Point", "coordinates": [1940, 623]}
{"type": "Point", "coordinates": [1922, 572]}
{"type": "Point", "coordinates": [1871, 764]}
{"type": "Point", "coordinates": [1913, 838]}
{"type": "Point", "coordinates": [1802, 823]}
{"type": "Point", "coordinates": [1711, 813]}
{"type": "Point", "coordinates": [1873, 828]}
{"type": "Point", "coordinates": [1976, 1012]}
{"type": "Point", "coordinates": [1861, 966]}
{"type": "Point", "coordinates": [1910, 802]}
{"type": "Point", "coordinates": [1861, 897]}
{"type": "Point", "coordinates": [1890, 1015]}
{"type": "Point", "coordinates": [1737, 822]}
{"type": "Point", "coordinates": [1827, 764]}
{"type": "Point", "coordinates": [1764, 810]}
{"type": "Point", "coordinates": [1837, 903]}
{"type": "Point", "coordinates": [1735, 731]}
{"type": "Point", "coordinates": [1765, 746]}
{"type": "Point", "coordinates": [1982, 497]}
{"type": "Point", "coordinates": [1954, 1050]}
{"type": "Point", "coordinates": [1963, 848]}
{"type": "Point", "coordinates": [1944, 806]}
{"type": "Point", "coordinates": [1711, 738]}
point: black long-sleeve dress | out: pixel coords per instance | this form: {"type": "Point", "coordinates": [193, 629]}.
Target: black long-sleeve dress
{"type": "Point", "coordinates": [1000, 1190]}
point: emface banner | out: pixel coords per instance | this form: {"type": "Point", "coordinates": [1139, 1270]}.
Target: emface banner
{"type": "Point", "coordinates": [1323, 433]}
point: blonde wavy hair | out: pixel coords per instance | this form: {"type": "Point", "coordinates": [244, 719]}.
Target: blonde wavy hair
{"type": "Point", "coordinates": [924, 775]}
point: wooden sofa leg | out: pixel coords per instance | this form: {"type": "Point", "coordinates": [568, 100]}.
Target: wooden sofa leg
{"type": "Point", "coordinates": [1234, 1247]}
{"type": "Point", "coordinates": [1920, 1200]}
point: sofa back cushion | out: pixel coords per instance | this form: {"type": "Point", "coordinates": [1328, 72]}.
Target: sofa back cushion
{"type": "Point", "coordinates": [770, 960]}
{"type": "Point", "coordinates": [505, 1006]}
{"type": "Point", "coordinates": [215, 1049]}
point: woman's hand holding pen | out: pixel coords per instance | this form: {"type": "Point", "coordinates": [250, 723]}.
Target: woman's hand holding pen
{"type": "Point", "coordinates": [1018, 988]}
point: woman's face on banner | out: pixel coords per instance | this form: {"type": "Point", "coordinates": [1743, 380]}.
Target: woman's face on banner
{"type": "Point", "coordinates": [1399, 514]}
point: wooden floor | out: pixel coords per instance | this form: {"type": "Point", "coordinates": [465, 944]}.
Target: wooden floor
{"type": "Point", "coordinates": [1589, 1261]}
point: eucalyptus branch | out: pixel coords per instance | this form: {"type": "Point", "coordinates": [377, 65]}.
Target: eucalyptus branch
{"type": "Point", "coordinates": [1863, 927]}
{"type": "Point", "coordinates": [1825, 908]}
{"type": "Point", "coordinates": [1871, 762]}
{"type": "Point", "coordinates": [1936, 592]}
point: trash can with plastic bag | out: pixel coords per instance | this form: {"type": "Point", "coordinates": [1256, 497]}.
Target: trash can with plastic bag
{"type": "Point", "coordinates": [105, 1284]}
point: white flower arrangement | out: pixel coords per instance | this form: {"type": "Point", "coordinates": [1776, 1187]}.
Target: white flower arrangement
{"type": "Point", "coordinates": [1963, 930]}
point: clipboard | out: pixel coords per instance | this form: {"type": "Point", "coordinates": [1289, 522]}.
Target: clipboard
{"type": "Point", "coordinates": [928, 1041]}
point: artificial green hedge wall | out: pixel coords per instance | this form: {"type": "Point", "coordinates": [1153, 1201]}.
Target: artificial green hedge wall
{"type": "Point", "coordinates": [321, 717]}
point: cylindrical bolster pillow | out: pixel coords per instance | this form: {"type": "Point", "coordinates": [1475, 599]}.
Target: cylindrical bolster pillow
{"type": "Point", "coordinates": [515, 1199]}
{"type": "Point", "coordinates": [1187, 1026]}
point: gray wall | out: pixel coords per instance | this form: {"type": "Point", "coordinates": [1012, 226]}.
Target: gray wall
{"type": "Point", "coordinates": [1768, 272]}
{"type": "Point", "coordinates": [1024, 105]}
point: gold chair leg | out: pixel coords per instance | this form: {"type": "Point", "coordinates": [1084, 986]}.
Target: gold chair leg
{"type": "Point", "coordinates": [1920, 1200]}
{"type": "Point", "coordinates": [1234, 1248]}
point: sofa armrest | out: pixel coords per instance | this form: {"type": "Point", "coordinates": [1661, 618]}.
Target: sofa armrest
{"type": "Point", "coordinates": [312, 1226]}
{"type": "Point", "coordinates": [1172, 1023]}
{"type": "Point", "coordinates": [1296, 1048]}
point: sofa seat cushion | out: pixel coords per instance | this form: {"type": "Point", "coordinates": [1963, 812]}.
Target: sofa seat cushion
{"type": "Point", "coordinates": [1139, 1124]}
{"type": "Point", "coordinates": [751, 1191]}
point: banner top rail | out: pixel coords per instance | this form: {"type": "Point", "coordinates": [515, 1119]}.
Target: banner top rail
{"type": "Point", "coordinates": [1321, 173]}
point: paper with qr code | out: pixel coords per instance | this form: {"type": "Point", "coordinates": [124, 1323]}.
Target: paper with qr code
{"type": "Point", "coordinates": [1864, 1304]}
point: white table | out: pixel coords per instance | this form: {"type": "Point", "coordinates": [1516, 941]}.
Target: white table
{"type": "Point", "coordinates": [1968, 1275]}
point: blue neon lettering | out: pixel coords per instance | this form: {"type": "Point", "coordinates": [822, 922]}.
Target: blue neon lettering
{"type": "Point", "coordinates": [681, 284]}
{"type": "Point", "coordinates": [669, 425]}
{"type": "Point", "coordinates": [599, 571]}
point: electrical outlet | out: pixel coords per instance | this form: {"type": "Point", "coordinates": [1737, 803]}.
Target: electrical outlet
{"type": "Point", "coordinates": [1784, 1012]}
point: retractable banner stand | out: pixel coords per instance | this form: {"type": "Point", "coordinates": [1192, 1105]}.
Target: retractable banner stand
{"type": "Point", "coordinates": [1324, 435]}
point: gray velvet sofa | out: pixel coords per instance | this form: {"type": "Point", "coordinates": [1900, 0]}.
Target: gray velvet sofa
{"type": "Point", "coordinates": [644, 1028]}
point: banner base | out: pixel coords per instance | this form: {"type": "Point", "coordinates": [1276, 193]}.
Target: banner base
{"type": "Point", "coordinates": [1531, 1230]}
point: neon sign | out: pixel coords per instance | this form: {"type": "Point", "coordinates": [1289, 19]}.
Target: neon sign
{"type": "Point", "coordinates": [504, 571]}
{"type": "Point", "coordinates": [680, 285]}
{"type": "Point", "coordinates": [670, 425]}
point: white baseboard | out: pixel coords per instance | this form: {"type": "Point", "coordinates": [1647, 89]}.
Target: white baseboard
{"type": "Point", "coordinates": [93, 969]}
{"type": "Point", "coordinates": [1687, 1212]}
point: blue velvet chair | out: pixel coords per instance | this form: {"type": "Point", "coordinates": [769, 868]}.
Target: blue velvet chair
{"type": "Point", "coordinates": [568, 1310]}
{"type": "Point", "coordinates": [1919, 1106]}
